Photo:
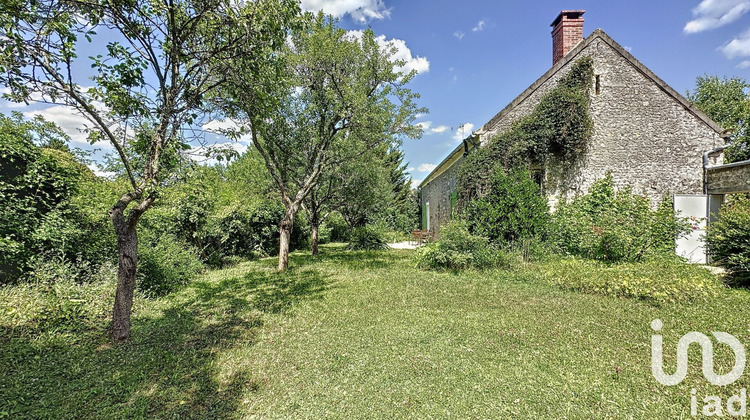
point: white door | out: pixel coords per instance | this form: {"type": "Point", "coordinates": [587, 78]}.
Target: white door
{"type": "Point", "coordinates": [695, 208]}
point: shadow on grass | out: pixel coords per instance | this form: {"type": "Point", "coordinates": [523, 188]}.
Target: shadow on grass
{"type": "Point", "coordinates": [169, 369]}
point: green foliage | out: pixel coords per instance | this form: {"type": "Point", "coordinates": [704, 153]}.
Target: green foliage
{"type": "Point", "coordinates": [40, 212]}
{"type": "Point", "coordinates": [661, 280]}
{"type": "Point", "coordinates": [239, 229]}
{"type": "Point", "coordinates": [335, 229]}
{"type": "Point", "coordinates": [165, 264]}
{"type": "Point", "coordinates": [459, 249]}
{"type": "Point", "coordinates": [401, 212]}
{"type": "Point", "coordinates": [615, 226]}
{"type": "Point", "coordinates": [728, 239]}
{"type": "Point", "coordinates": [367, 238]}
{"type": "Point", "coordinates": [513, 208]}
{"type": "Point", "coordinates": [225, 213]}
{"type": "Point", "coordinates": [559, 127]}
{"type": "Point", "coordinates": [727, 101]}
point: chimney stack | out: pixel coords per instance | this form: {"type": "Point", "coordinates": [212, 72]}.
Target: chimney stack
{"type": "Point", "coordinates": [567, 31]}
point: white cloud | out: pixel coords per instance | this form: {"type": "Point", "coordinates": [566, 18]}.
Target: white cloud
{"type": "Point", "coordinates": [429, 129]}
{"type": "Point", "coordinates": [33, 97]}
{"type": "Point", "coordinates": [426, 167]}
{"type": "Point", "coordinates": [479, 27]}
{"type": "Point", "coordinates": [738, 47]}
{"type": "Point", "coordinates": [69, 120]}
{"type": "Point", "coordinates": [400, 52]}
{"type": "Point", "coordinates": [463, 131]}
{"type": "Point", "coordinates": [415, 183]}
{"type": "Point", "coordinates": [410, 169]}
{"type": "Point", "coordinates": [712, 14]}
{"type": "Point", "coordinates": [744, 65]}
{"type": "Point", "coordinates": [98, 172]}
{"type": "Point", "coordinates": [224, 128]}
{"type": "Point", "coordinates": [217, 126]}
{"type": "Point", "coordinates": [425, 125]}
{"type": "Point", "coordinates": [361, 11]}
{"type": "Point", "coordinates": [460, 35]}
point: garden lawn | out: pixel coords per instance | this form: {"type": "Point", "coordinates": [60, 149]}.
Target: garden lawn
{"type": "Point", "coordinates": [362, 335]}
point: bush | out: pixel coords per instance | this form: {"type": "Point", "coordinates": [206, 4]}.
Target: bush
{"type": "Point", "coordinates": [665, 279]}
{"type": "Point", "coordinates": [513, 208]}
{"type": "Point", "coordinates": [728, 239]}
{"type": "Point", "coordinates": [221, 235]}
{"type": "Point", "coordinates": [165, 264]}
{"type": "Point", "coordinates": [615, 226]}
{"type": "Point", "coordinates": [367, 238]}
{"type": "Point", "coordinates": [459, 249]}
{"type": "Point", "coordinates": [337, 230]}
{"type": "Point", "coordinates": [34, 181]}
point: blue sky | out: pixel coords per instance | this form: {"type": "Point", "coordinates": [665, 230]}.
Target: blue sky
{"type": "Point", "coordinates": [474, 57]}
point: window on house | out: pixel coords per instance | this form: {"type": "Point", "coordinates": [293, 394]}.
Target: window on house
{"type": "Point", "coordinates": [598, 85]}
{"type": "Point", "coordinates": [537, 174]}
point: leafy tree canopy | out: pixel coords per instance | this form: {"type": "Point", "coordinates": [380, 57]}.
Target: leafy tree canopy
{"type": "Point", "coordinates": [727, 101]}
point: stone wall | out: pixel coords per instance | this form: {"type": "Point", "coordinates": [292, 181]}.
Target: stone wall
{"type": "Point", "coordinates": [728, 179]}
{"type": "Point", "coordinates": [438, 194]}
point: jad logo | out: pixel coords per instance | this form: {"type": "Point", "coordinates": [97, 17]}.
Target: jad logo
{"type": "Point", "coordinates": [736, 405]}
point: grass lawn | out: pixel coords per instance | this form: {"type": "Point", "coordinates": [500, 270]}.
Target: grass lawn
{"type": "Point", "coordinates": [364, 335]}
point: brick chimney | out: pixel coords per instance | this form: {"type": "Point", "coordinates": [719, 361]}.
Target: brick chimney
{"type": "Point", "coordinates": [567, 31]}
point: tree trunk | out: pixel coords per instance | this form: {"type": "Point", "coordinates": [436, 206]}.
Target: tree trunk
{"type": "Point", "coordinates": [127, 244]}
{"type": "Point", "coordinates": [285, 232]}
{"type": "Point", "coordinates": [314, 236]}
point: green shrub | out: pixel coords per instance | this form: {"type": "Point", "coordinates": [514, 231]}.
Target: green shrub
{"type": "Point", "coordinates": [221, 234]}
{"type": "Point", "coordinates": [337, 228]}
{"type": "Point", "coordinates": [665, 279]}
{"type": "Point", "coordinates": [513, 208]}
{"type": "Point", "coordinates": [165, 264]}
{"type": "Point", "coordinates": [459, 249]}
{"type": "Point", "coordinates": [728, 239]}
{"type": "Point", "coordinates": [615, 226]}
{"type": "Point", "coordinates": [367, 238]}
{"type": "Point", "coordinates": [34, 181]}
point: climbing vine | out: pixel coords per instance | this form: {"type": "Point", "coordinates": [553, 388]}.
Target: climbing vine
{"type": "Point", "coordinates": [559, 127]}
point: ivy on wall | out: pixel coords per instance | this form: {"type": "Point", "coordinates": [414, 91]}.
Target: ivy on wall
{"type": "Point", "coordinates": [559, 127]}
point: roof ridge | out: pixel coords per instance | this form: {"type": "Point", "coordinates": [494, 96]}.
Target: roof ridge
{"type": "Point", "coordinates": [598, 33]}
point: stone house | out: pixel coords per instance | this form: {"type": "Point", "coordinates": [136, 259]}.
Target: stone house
{"type": "Point", "coordinates": [644, 132]}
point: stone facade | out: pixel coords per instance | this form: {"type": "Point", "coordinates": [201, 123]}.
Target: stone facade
{"type": "Point", "coordinates": [728, 179]}
{"type": "Point", "coordinates": [438, 199]}
{"type": "Point", "coordinates": [647, 135]}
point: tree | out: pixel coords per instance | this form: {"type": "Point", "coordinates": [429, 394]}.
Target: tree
{"type": "Point", "coordinates": [328, 92]}
{"type": "Point", "coordinates": [147, 91]}
{"type": "Point", "coordinates": [401, 213]}
{"type": "Point", "coordinates": [727, 101]}
{"type": "Point", "coordinates": [355, 186]}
